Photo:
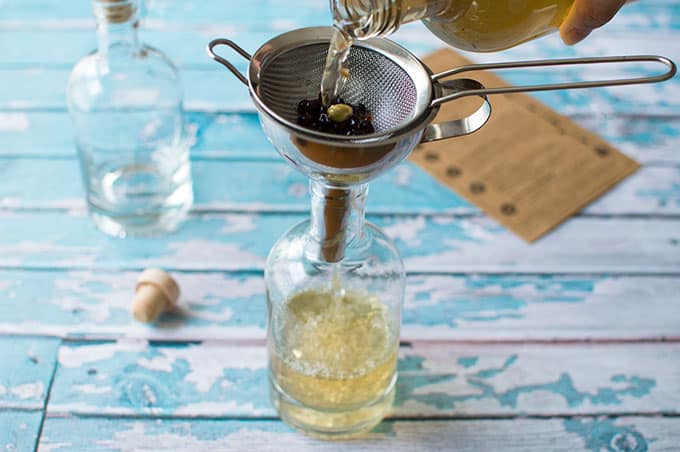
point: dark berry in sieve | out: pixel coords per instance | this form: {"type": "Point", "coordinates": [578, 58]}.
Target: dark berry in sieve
{"type": "Point", "coordinates": [346, 119]}
{"type": "Point", "coordinates": [305, 119]}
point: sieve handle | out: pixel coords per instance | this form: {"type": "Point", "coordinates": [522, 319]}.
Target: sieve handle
{"type": "Point", "coordinates": [671, 71]}
{"type": "Point", "coordinates": [462, 126]}
{"type": "Point", "coordinates": [229, 43]}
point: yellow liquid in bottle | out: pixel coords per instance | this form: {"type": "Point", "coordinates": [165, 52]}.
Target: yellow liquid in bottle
{"type": "Point", "coordinates": [333, 362]}
{"type": "Point", "coordinates": [491, 25]}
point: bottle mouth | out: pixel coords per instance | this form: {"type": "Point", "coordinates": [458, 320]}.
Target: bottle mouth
{"type": "Point", "coordinates": [115, 11]}
{"type": "Point", "coordinates": [356, 19]}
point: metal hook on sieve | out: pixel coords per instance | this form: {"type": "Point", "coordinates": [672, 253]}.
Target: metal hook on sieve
{"type": "Point", "coordinates": [554, 86]}
{"type": "Point", "coordinates": [229, 43]}
{"type": "Point", "coordinates": [462, 126]}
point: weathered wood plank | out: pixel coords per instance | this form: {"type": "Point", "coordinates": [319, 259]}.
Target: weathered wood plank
{"type": "Point", "coordinates": [428, 244]}
{"type": "Point", "coordinates": [49, 183]}
{"type": "Point", "coordinates": [170, 14]}
{"type": "Point", "coordinates": [260, 14]}
{"type": "Point", "coordinates": [439, 307]}
{"type": "Point", "coordinates": [26, 367]}
{"type": "Point", "coordinates": [49, 133]}
{"type": "Point", "coordinates": [23, 47]}
{"type": "Point", "coordinates": [219, 135]}
{"type": "Point", "coordinates": [216, 90]}
{"type": "Point", "coordinates": [19, 430]}
{"type": "Point", "coordinates": [580, 434]}
{"type": "Point", "coordinates": [133, 378]}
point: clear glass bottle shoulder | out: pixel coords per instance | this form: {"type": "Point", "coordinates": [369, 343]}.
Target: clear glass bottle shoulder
{"type": "Point", "coordinates": [371, 262]}
{"type": "Point", "coordinates": [124, 78]}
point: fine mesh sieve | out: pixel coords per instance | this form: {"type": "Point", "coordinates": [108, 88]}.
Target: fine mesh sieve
{"type": "Point", "coordinates": [375, 80]}
{"type": "Point", "coordinates": [399, 90]}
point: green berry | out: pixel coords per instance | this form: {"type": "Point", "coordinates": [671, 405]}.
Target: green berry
{"type": "Point", "coordinates": [340, 112]}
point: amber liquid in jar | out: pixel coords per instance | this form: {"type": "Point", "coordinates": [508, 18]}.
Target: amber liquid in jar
{"type": "Point", "coordinates": [492, 25]}
{"type": "Point", "coordinates": [473, 25]}
{"type": "Point", "coordinates": [333, 362]}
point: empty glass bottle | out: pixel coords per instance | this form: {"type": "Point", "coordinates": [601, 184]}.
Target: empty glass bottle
{"type": "Point", "coordinates": [125, 101]}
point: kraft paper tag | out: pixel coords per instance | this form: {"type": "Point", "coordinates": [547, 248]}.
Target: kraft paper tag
{"type": "Point", "coordinates": [529, 167]}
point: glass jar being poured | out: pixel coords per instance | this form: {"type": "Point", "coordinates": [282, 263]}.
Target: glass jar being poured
{"type": "Point", "coordinates": [474, 25]}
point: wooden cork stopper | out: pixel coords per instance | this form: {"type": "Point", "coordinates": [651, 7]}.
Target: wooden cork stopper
{"type": "Point", "coordinates": [156, 291]}
{"type": "Point", "coordinates": [115, 11]}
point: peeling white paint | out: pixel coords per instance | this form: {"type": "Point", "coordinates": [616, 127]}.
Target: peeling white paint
{"type": "Point", "coordinates": [47, 446]}
{"type": "Point", "coordinates": [238, 223]}
{"type": "Point", "coordinates": [403, 175]}
{"type": "Point", "coordinates": [157, 363]}
{"type": "Point", "coordinates": [207, 363]}
{"type": "Point", "coordinates": [85, 408]}
{"type": "Point", "coordinates": [205, 288]}
{"type": "Point", "coordinates": [137, 438]}
{"type": "Point", "coordinates": [218, 408]}
{"type": "Point", "coordinates": [409, 230]}
{"type": "Point", "coordinates": [14, 122]}
{"type": "Point", "coordinates": [199, 253]}
{"type": "Point", "coordinates": [93, 389]}
{"type": "Point", "coordinates": [70, 356]}
{"type": "Point", "coordinates": [24, 391]}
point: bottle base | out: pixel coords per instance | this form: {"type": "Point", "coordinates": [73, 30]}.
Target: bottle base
{"type": "Point", "coordinates": [331, 424]}
{"type": "Point", "coordinates": [148, 225]}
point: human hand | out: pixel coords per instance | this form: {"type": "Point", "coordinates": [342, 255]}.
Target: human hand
{"type": "Point", "coordinates": [587, 15]}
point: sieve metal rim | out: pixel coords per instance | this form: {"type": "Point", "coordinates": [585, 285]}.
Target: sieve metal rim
{"type": "Point", "coordinates": [416, 70]}
{"type": "Point", "coordinates": [438, 90]}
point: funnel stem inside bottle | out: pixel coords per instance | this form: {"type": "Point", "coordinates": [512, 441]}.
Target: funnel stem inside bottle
{"type": "Point", "coordinates": [337, 217]}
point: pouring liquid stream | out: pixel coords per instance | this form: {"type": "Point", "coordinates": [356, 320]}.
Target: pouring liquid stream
{"type": "Point", "coordinates": [335, 72]}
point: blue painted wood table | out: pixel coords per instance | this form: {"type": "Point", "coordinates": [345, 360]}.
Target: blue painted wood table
{"type": "Point", "coordinates": [568, 344]}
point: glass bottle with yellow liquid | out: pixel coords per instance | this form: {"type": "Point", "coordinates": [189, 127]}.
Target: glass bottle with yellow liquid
{"type": "Point", "coordinates": [335, 289]}
{"type": "Point", "coordinates": [474, 25]}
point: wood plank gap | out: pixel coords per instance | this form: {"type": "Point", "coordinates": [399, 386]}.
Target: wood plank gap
{"type": "Point", "coordinates": [461, 417]}
{"type": "Point", "coordinates": [252, 112]}
{"type": "Point", "coordinates": [259, 271]}
{"type": "Point", "coordinates": [47, 400]}
{"type": "Point", "coordinates": [94, 339]}
{"type": "Point", "coordinates": [238, 157]}
{"type": "Point", "coordinates": [285, 210]}
{"type": "Point", "coordinates": [20, 409]}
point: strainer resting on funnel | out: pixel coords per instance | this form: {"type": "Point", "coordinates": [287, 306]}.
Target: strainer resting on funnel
{"type": "Point", "coordinates": [399, 90]}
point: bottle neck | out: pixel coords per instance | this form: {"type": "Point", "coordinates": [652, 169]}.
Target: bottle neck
{"type": "Point", "coordinates": [117, 25]}
{"type": "Point", "coordinates": [337, 217]}
{"type": "Point", "coordinates": [364, 19]}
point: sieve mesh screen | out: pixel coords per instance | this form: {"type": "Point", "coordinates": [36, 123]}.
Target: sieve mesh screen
{"type": "Point", "coordinates": [375, 80]}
